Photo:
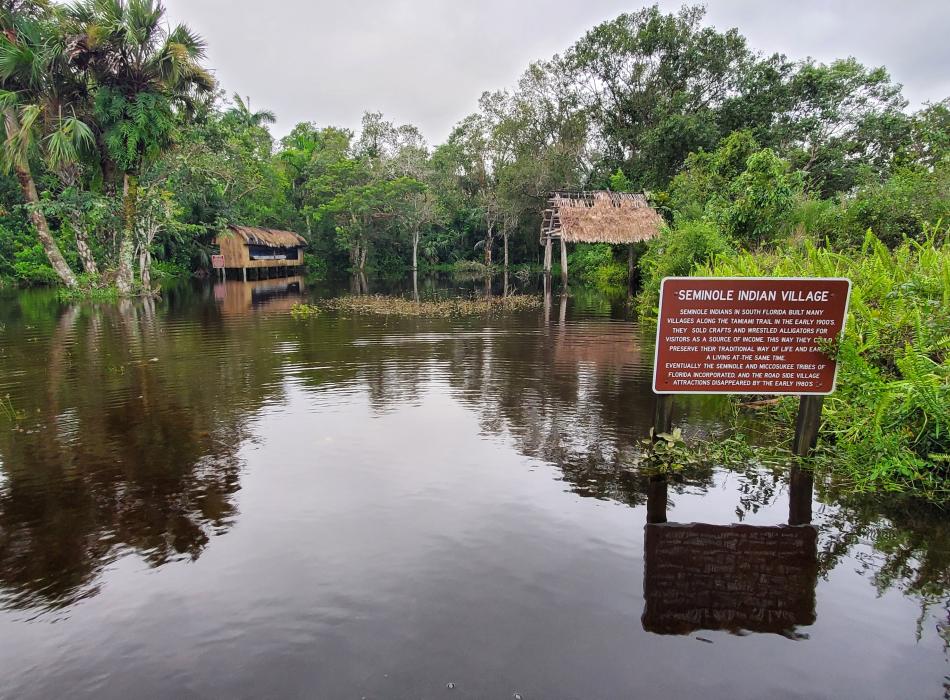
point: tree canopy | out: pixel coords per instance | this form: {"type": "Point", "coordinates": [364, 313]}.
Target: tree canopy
{"type": "Point", "coordinates": [107, 108]}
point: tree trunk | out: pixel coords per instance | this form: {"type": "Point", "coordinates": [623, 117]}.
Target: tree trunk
{"type": "Point", "coordinates": [415, 251]}
{"type": "Point", "coordinates": [563, 260]}
{"type": "Point", "coordinates": [125, 277]}
{"type": "Point", "coordinates": [56, 259]}
{"type": "Point", "coordinates": [25, 178]}
{"type": "Point", "coordinates": [505, 237]}
{"type": "Point", "coordinates": [145, 269]}
{"type": "Point", "coordinates": [85, 252]}
{"type": "Point", "coordinates": [362, 258]}
{"type": "Point", "coordinates": [488, 239]}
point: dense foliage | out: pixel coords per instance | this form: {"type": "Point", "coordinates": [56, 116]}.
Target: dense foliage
{"type": "Point", "coordinates": [888, 422]}
{"type": "Point", "coordinates": [119, 145]}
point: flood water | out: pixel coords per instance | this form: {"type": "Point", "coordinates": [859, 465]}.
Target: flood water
{"type": "Point", "coordinates": [207, 498]}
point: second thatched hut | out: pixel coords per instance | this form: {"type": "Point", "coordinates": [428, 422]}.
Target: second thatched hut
{"type": "Point", "coordinates": [596, 217]}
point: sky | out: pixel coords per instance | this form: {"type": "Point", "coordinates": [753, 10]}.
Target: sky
{"type": "Point", "coordinates": [426, 62]}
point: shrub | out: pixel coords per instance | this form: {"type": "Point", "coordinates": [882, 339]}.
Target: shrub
{"type": "Point", "coordinates": [890, 415]}
{"type": "Point", "coordinates": [586, 258]}
{"type": "Point", "coordinates": [760, 201]}
{"type": "Point", "coordinates": [674, 253]}
{"type": "Point", "coordinates": [900, 207]}
{"type": "Point", "coordinates": [31, 266]}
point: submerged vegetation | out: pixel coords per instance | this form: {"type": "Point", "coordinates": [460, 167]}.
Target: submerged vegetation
{"type": "Point", "coordinates": [379, 305]}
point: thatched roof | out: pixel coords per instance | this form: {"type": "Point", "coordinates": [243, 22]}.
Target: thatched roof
{"type": "Point", "coordinates": [271, 237]}
{"type": "Point", "coordinates": [600, 217]}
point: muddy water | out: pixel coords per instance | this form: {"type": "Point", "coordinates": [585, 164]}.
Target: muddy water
{"type": "Point", "coordinates": [206, 498]}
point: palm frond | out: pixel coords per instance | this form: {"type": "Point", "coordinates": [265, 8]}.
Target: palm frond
{"type": "Point", "coordinates": [69, 142]}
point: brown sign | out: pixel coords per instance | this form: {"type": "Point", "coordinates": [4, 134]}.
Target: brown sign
{"type": "Point", "coordinates": [748, 335]}
{"type": "Point", "coordinates": [729, 577]}
{"type": "Point", "coordinates": [217, 261]}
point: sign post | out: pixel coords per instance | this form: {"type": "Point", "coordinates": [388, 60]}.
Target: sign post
{"type": "Point", "coordinates": [750, 335]}
{"type": "Point", "coordinates": [217, 263]}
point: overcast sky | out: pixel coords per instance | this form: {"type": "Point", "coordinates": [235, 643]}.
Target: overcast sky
{"type": "Point", "coordinates": [427, 61]}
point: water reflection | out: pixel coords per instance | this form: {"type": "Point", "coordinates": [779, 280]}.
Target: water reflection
{"type": "Point", "coordinates": [237, 298]}
{"type": "Point", "coordinates": [135, 417]}
{"type": "Point", "coordinates": [114, 448]}
{"type": "Point", "coordinates": [702, 576]}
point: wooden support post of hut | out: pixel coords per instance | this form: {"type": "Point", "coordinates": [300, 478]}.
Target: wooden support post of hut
{"type": "Point", "coordinates": [261, 249]}
{"type": "Point", "coordinates": [596, 217]}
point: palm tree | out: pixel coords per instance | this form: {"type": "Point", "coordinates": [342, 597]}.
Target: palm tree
{"type": "Point", "coordinates": [35, 96]}
{"type": "Point", "coordinates": [143, 74]}
{"type": "Point", "coordinates": [242, 114]}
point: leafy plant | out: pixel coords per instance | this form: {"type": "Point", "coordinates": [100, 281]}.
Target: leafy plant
{"type": "Point", "coordinates": [887, 426]}
{"type": "Point", "coordinates": [667, 453]}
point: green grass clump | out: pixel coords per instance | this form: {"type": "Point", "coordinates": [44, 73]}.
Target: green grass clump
{"type": "Point", "coordinates": [379, 305]}
{"type": "Point", "coordinates": [301, 311]}
{"type": "Point", "coordinates": [87, 292]}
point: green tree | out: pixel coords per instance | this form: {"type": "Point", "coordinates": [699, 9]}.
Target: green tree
{"type": "Point", "coordinates": [143, 73]}
{"type": "Point", "coordinates": [240, 113]}
{"type": "Point", "coordinates": [706, 176]}
{"type": "Point", "coordinates": [842, 119]}
{"type": "Point", "coordinates": [761, 200]}
{"type": "Point", "coordinates": [36, 99]}
{"type": "Point", "coordinates": [653, 84]}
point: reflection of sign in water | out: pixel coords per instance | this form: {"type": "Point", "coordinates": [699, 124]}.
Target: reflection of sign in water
{"type": "Point", "coordinates": [217, 262]}
{"type": "Point", "coordinates": [728, 577]}
{"type": "Point", "coordinates": [748, 335]}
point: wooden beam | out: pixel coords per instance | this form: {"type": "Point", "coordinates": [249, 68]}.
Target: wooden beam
{"type": "Point", "coordinates": [663, 414]}
{"type": "Point", "coordinates": [806, 425]}
{"type": "Point", "coordinates": [563, 260]}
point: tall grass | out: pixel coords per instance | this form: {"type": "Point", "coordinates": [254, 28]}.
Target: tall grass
{"type": "Point", "coordinates": [887, 426]}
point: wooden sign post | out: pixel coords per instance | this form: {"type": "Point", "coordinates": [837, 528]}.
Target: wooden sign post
{"type": "Point", "coordinates": [217, 263]}
{"type": "Point", "coordinates": [750, 335]}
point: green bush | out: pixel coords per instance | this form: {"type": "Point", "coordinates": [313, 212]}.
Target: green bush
{"type": "Point", "coordinates": [586, 258]}
{"type": "Point", "coordinates": [819, 219]}
{"type": "Point", "coordinates": [674, 253]}
{"type": "Point", "coordinates": [760, 201]}
{"type": "Point", "coordinates": [900, 207]}
{"type": "Point", "coordinates": [31, 266]}
{"type": "Point", "coordinates": [595, 264]}
{"type": "Point", "coordinates": [889, 418]}
{"type": "Point", "coordinates": [706, 177]}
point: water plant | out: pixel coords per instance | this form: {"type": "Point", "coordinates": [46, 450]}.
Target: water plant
{"type": "Point", "coordinates": [301, 311]}
{"type": "Point", "coordinates": [667, 453]}
{"type": "Point", "coordinates": [380, 305]}
{"type": "Point", "coordinates": [9, 411]}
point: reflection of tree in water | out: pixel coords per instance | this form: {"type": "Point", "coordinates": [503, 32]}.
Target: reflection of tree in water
{"type": "Point", "coordinates": [910, 541]}
{"type": "Point", "coordinates": [574, 395]}
{"type": "Point", "coordinates": [129, 442]}
{"type": "Point", "coordinates": [133, 454]}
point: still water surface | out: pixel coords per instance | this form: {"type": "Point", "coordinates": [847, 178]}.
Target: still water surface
{"type": "Point", "coordinates": [206, 498]}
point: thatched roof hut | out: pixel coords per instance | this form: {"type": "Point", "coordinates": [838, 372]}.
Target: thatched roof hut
{"type": "Point", "coordinates": [599, 217]}
{"type": "Point", "coordinates": [270, 237]}
{"type": "Point", "coordinates": [270, 251]}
